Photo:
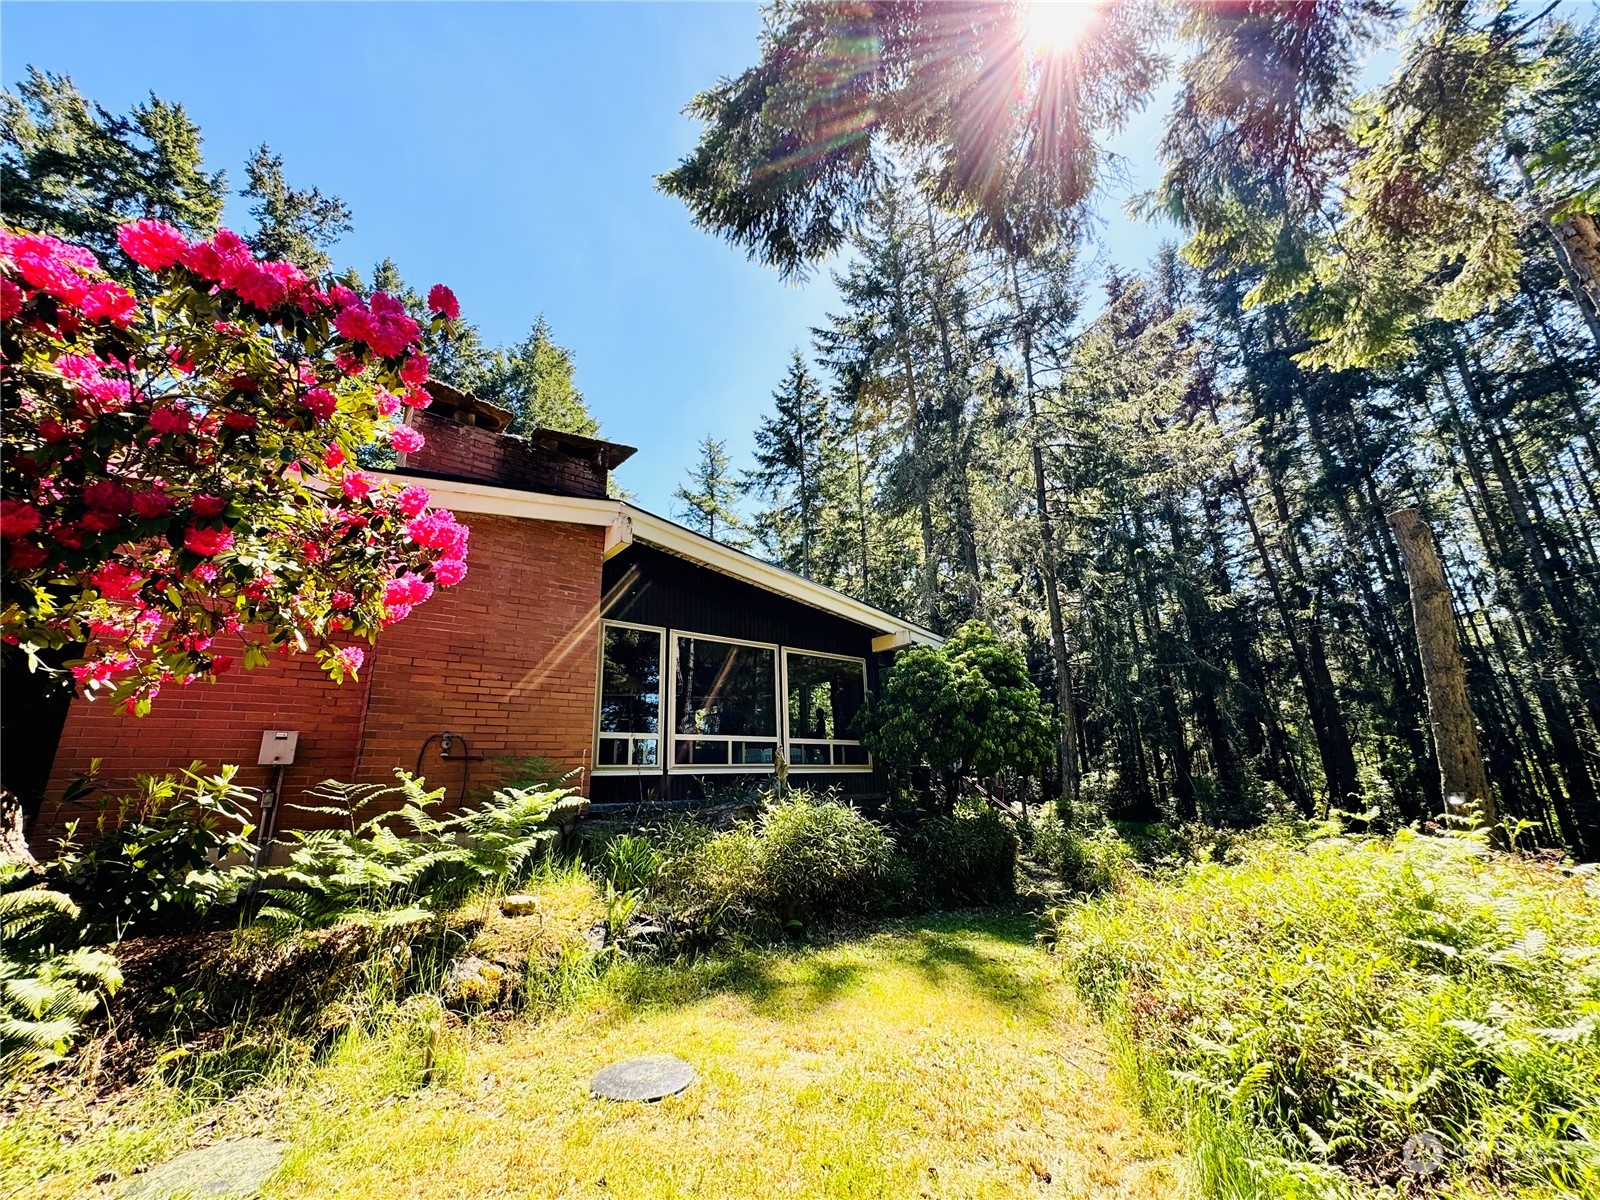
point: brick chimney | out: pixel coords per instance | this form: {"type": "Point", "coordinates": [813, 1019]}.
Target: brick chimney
{"type": "Point", "coordinates": [466, 440]}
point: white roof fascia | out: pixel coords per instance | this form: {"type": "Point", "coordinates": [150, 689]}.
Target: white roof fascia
{"type": "Point", "coordinates": [512, 502]}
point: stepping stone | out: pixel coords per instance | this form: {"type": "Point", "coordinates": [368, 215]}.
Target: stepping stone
{"type": "Point", "coordinates": [653, 1077]}
{"type": "Point", "coordinates": [236, 1170]}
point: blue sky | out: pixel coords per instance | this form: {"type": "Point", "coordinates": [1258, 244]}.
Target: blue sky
{"type": "Point", "coordinates": [508, 150]}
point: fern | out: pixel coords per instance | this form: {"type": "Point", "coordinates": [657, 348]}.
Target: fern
{"type": "Point", "coordinates": [45, 991]}
{"type": "Point", "coordinates": [395, 863]}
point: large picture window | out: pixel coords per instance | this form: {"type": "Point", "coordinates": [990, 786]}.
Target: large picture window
{"type": "Point", "coordinates": [630, 698]}
{"type": "Point", "coordinates": [725, 704]}
{"type": "Point", "coordinates": [823, 694]}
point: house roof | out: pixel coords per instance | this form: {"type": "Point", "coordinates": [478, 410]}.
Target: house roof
{"type": "Point", "coordinates": [626, 523]}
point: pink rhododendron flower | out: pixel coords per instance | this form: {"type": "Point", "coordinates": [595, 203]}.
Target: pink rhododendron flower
{"type": "Point", "coordinates": [221, 664]}
{"type": "Point", "coordinates": [10, 299]}
{"type": "Point", "coordinates": [397, 613]}
{"type": "Point", "coordinates": [388, 403]}
{"type": "Point", "coordinates": [415, 370]}
{"type": "Point", "coordinates": [152, 244]}
{"type": "Point", "coordinates": [107, 301]}
{"type": "Point", "coordinates": [101, 522]}
{"type": "Point", "coordinates": [208, 506]}
{"type": "Point", "coordinates": [333, 457]}
{"type": "Point", "coordinates": [448, 572]}
{"type": "Point", "coordinates": [356, 485]}
{"type": "Point", "coordinates": [117, 581]}
{"type": "Point", "coordinates": [340, 601]}
{"type": "Point", "coordinates": [417, 398]}
{"type": "Point", "coordinates": [406, 439]}
{"type": "Point", "coordinates": [206, 572]}
{"type": "Point", "coordinates": [350, 658]}
{"type": "Point", "coordinates": [152, 504]}
{"type": "Point", "coordinates": [207, 542]}
{"type": "Point", "coordinates": [407, 589]}
{"type": "Point", "coordinates": [68, 534]}
{"type": "Point", "coordinates": [17, 518]}
{"type": "Point", "coordinates": [321, 402]}
{"type": "Point", "coordinates": [50, 264]}
{"type": "Point", "coordinates": [171, 418]}
{"type": "Point", "coordinates": [442, 302]}
{"type": "Point", "coordinates": [439, 530]}
{"type": "Point", "coordinates": [412, 500]}
{"type": "Point", "coordinates": [343, 296]}
{"type": "Point", "coordinates": [25, 556]}
{"type": "Point", "coordinates": [107, 495]}
{"type": "Point", "coordinates": [239, 420]}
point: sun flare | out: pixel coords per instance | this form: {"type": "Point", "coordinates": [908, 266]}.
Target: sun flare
{"type": "Point", "coordinates": [1049, 26]}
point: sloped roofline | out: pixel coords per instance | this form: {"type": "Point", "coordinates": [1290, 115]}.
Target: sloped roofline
{"type": "Point", "coordinates": [625, 523]}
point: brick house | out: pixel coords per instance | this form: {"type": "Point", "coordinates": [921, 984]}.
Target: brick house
{"type": "Point", "coordinates": [587, 632]}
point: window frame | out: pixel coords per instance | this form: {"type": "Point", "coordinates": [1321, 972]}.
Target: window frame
{"type": "Point", "coordinates": [829, 768]}
{"type": "Point", "coordinates": [673, 767]}
{"type": "Point", "coordinates": [663, 698]}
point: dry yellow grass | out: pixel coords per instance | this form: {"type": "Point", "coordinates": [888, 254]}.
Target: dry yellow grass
{"type": "Point", "coordinates": [945, 1058]}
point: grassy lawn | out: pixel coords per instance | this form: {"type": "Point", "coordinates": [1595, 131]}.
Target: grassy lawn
{"type": "Point", "coordinates": [939, 1058]}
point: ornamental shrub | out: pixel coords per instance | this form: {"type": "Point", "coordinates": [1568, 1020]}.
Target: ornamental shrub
{"type": "Point", "coordinates": [152, 859]}
{"type": "Point", "coordinates": [805, 860]}
{"type": "Point", "coordinates": [966, 858]}
{"type": "Point", "coordinates": [964, 709]}
{"type": "Point", "coordinates": [180, 493]}
{"type": "Point", "coordinates": [1090, 862]}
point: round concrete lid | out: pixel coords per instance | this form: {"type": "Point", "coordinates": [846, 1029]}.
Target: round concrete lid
{"type": "Point", "coordinates": [653, 1077]}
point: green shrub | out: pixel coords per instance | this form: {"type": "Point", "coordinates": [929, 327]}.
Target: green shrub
{"type": "Point", "coordinates": [964, 708]}
{"type": "Point", "coordinates": [818, 859]}
{"type": "Point", "coordinates": [967, 858]}
{"type": "Point", "coordinates": [151, 860]}
{"type": "Point", "coordinates": [1086, 862]}
{"type": "Point", "coordinates": [803, 860]}
{"type": "Point", "coordinates": [1305, 1011]}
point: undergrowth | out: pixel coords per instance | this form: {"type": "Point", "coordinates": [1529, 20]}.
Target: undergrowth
{"type": "Point", "coordinates": [1418, 1012]}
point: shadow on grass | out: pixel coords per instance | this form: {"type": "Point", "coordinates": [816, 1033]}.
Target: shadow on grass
{"type": "Point", "coordinates": [949, 950]}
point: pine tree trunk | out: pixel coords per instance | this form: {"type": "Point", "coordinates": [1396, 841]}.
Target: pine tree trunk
{"type": "Point", "coordinates": [1577, 248]}
{"type": "Point", "coordinates": [1444, 674]}
{"type": "Point", "coordinates": [1066, 704]}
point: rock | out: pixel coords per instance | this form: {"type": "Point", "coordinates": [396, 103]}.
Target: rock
{"type": "Point", "coordinates": [653, 1077]}
{"type": "Point", "coordinates": [235, 1170]}
{"type": "Point", "coordinates": [520, 905]}
{"type": "Point", "coordinates": [472, 981]}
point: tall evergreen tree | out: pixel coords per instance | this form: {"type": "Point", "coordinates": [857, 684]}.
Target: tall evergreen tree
{"type": "Point", "coordinates": [74, 169]}
{"type": "Point", "coordinates": [534, 380]}
{"type": "Point", "coordinates": [797, 476]}
{"type": "Point", "coordinates": [708, 502]}
{"type": "Point", "coordinates": [291, 223]}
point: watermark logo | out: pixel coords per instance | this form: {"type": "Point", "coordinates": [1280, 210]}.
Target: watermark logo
{"type": "Point", "coordinates": [1423, 1154]}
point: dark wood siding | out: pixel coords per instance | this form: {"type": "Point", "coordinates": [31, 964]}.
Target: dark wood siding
{"type": "Point", "coordinates": [651, 587]}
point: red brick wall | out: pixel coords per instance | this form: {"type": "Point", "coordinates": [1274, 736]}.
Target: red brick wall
{"type": "Point", "coordinates": [481, 455]}
{"type": "Point", "coordinates": [506, 659]}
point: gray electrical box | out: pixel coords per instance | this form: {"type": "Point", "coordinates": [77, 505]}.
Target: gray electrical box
{"type": "Point", "coordinates": [277, 747]}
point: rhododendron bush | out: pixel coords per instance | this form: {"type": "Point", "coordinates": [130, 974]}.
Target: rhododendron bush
{"type": "Point", "coordinates": [181, 494]}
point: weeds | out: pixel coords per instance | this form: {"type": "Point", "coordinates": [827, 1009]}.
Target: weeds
{"type": "Point", "coordinates": [1306, 1013]}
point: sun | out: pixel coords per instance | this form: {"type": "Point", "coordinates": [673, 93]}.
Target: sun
{"type": "Point", "coordinates": [1050, 26]}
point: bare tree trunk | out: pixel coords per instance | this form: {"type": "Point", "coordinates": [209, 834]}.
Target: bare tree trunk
{"type": "Point", "coordinates": [1576, 242]}
{"type": "Point", "coordinates": [1049, 562]}
{"type": "Point", "coordinates": [1444, 674]}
